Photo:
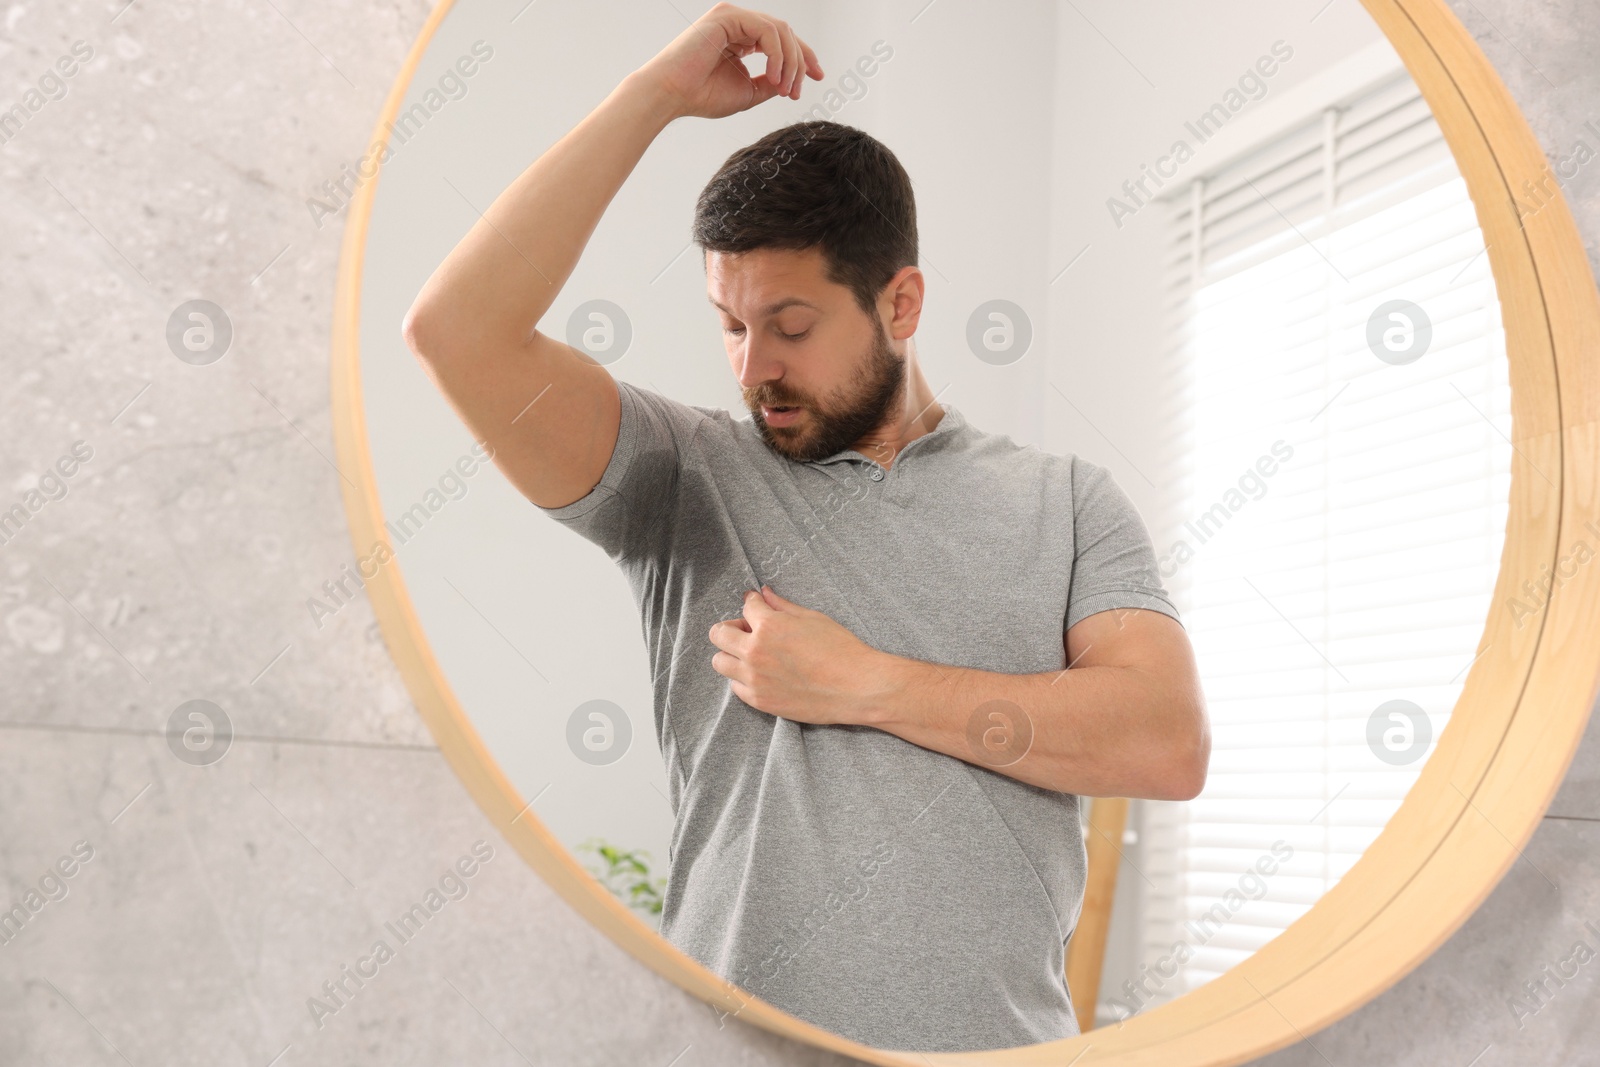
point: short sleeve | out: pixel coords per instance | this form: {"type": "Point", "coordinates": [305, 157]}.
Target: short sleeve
{"type": "Point", "coordinates": [623, 513]}
{"type": "Point", "coordinates": [1114, 562]}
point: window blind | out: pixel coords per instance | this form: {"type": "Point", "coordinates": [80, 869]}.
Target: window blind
{"type": "Point", "coordinates": [1359, 570]}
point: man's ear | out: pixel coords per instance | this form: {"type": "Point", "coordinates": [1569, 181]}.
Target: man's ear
{"type": "Point", "coordinates": [903, 300]}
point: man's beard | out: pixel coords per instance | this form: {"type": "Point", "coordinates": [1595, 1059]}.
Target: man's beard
{"type": "Point", "coordinates": [852, 413]}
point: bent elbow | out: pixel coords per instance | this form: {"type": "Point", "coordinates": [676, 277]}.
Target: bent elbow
{"type": "Point", "coordinates": [1194, 765]}
{"type": "Point", "coordinates": [1179, 780]}
{"type": "Point", "coordinates": [415, 330]}
{"type": "Point", "coordinates": [1193, 783]}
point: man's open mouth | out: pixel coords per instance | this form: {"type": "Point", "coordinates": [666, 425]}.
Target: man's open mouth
{"type": "Point", "coordinates": [780, 416]}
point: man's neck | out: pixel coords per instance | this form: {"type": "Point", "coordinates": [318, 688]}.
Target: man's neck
{"type": "Point", "coordinates": [917, 414]}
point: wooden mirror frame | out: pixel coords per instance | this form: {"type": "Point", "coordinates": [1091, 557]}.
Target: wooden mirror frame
{"type": "Point", "coordinates": [1498, 763]}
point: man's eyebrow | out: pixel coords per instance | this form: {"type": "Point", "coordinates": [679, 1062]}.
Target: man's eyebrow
{"type": "Point", "coordinates": [775, 307]}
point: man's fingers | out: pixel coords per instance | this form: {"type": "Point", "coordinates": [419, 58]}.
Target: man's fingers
{"type": "Point", "coordinates": [813, 66]}
{"type": "Point", "coordinates": [732, 636]}
{"type": "Point", "coordinates": [730, 667]}
{"type": "Point", "coordinates": [749, 27]}
{"type": "Point", "coordinates": [774, 597]}
{"type": "Point", "coordinates": [779, 64]}
{"type": "Point", "coordinates": [789, 59]}
{"type": "Point", "coordinates": [794, 70]}
{"type": "Point", "coordinates": [744, 693]}
{"type": "Point", "coordinates": [762, 89]}
{"type": "Point", "coordinates": [756, 607]}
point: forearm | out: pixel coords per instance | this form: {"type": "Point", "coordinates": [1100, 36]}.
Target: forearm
{"type": "Point", "coordinates": [501, 278]}
{"type": "Point", "coordinates": [1096, 731]}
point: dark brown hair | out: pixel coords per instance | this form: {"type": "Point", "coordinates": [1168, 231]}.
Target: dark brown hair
{"type": "Point", "coordinates": [816, 184]}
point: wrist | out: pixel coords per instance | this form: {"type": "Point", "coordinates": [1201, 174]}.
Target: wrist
{"type": "Point", "coordinates": [652, 96]}
{"type": "Point", "coordinates": [888, 687]}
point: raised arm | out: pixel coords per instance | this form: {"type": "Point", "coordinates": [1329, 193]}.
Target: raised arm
{"type": "Point", "coordinates": [549, 412]}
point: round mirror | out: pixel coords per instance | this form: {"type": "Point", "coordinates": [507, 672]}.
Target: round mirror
{"type": "Point", "coordinates": [1207, 317]}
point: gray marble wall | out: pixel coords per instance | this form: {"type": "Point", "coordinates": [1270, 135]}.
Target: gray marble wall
{"type": "Point", "coordinates": [173, 564]}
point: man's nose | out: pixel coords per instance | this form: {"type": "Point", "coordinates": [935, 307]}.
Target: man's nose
{"type": "Point", "coordinates": [757, 364]}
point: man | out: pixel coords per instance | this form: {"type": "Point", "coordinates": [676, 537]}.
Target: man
{"type": "Point", "coordinates": [858, 606]}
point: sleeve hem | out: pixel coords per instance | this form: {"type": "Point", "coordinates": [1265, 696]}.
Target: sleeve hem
{"type": "Point", "coordinates": [616, 467]}
{"type": "Point", "coordinates": [1112, 599]}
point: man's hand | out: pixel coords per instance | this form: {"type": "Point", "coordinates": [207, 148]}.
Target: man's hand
{"type": "Point", "coordinates": [796, 663]}
{"type": "Point", "coordinates": [701, 69]}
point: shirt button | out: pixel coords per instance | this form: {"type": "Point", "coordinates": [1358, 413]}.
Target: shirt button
{"type": "Point", "coordinates": [876, 474]}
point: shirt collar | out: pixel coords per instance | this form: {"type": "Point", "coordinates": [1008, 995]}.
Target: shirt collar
{"type": "Point", "coordinates": [949, 423]}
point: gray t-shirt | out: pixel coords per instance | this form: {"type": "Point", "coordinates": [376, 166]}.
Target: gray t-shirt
{"type": "Point", "coordinates": [883, 891]}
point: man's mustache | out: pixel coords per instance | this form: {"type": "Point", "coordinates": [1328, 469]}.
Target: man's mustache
{"type": "Point", "coordinates": [775, 402]}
